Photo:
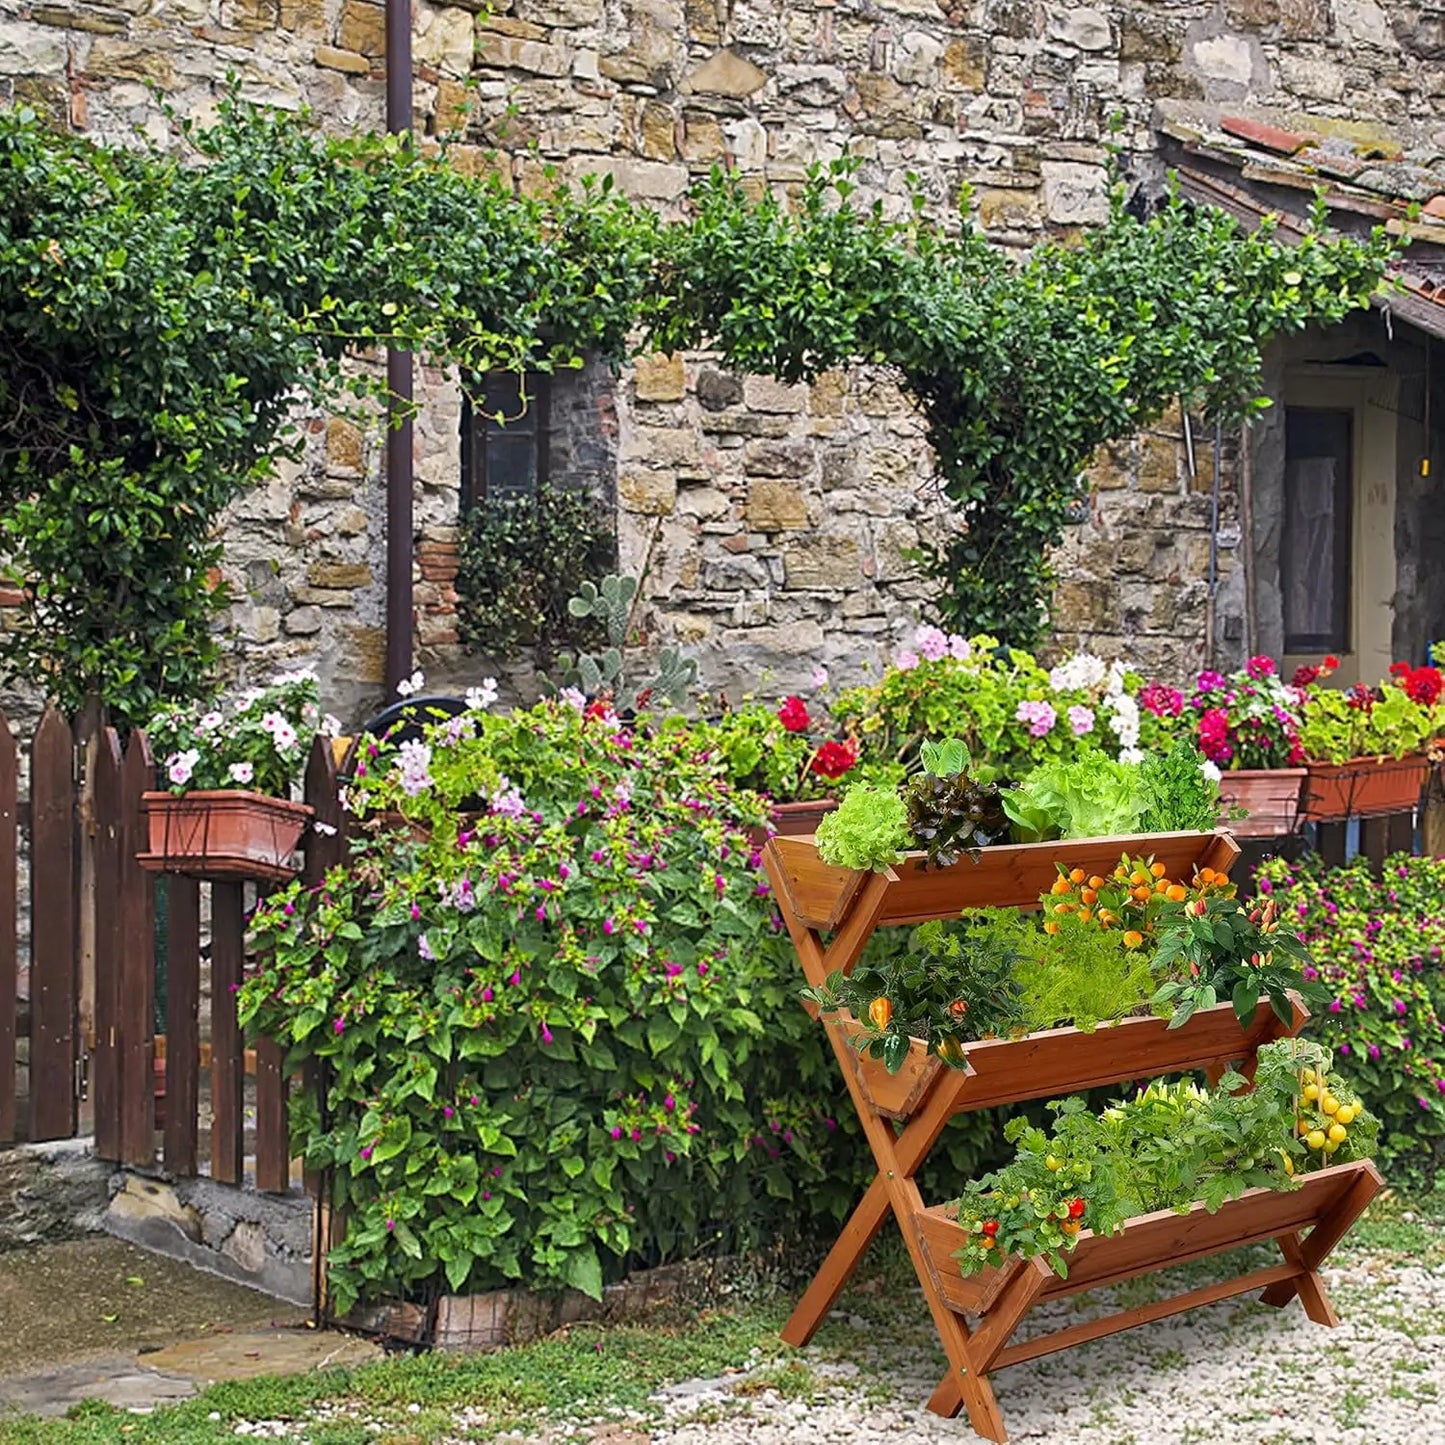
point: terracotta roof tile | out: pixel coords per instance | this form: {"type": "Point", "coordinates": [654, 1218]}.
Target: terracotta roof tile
{"type": "Point", "coordinates": [1262, 133]}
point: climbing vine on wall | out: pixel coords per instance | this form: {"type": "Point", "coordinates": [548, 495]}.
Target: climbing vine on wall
{"type": "Point", "coordinates": [161, 314]}
{"type": "Point", "coordinates": [1022, 369]}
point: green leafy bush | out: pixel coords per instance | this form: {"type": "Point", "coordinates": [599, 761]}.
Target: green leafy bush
{"type": "Point", "coordinates": [1377, 943]}
{"type": "Point", "coordinates": [520, 558]}
{"type": "Point", "coordinates": [1091, 797]}
{"type": "Point", "coordinates": [1022, 369]}
{"type": "Point", "coordinates": [1337, 726]}
{"type": "Point", "coordinates": [562, 1035]}
{"type": "Point", "coordinates": [165, 309]}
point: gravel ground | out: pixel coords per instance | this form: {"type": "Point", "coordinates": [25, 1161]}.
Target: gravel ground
{"type": "Point", "coordinates": [1234, 1373]}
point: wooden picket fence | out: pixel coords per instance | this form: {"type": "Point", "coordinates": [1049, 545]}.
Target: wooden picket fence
{"type": "Point", "coordinates": [94, 1058]}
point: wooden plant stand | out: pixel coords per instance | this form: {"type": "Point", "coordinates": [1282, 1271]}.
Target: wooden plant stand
{"type": "Point", "coordinates": [903, 1115]}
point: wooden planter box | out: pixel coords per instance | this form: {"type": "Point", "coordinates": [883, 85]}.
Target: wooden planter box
{"type": "Point", "coordinates": [1010, 875]}
{"type": "Point", "coordinates": [1065, 1061]}
{"type": "Point", "coordinates": [1151, 1242]}
{"type": "Point", "coordinates": [1363, 787]}
{"type": "Point", "coordinates": [223, 835]}
{"type": "Point", "coordinates": [1271, 796]}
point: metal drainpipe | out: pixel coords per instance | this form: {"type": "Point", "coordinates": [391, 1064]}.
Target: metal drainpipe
{"type": "Point", "coordinates": [399, 509]}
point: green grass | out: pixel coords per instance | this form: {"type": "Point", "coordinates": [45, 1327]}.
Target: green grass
{"type": "Point", "coordinates": [584, 1373]}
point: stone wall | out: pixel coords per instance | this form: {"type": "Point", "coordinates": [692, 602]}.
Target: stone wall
{"type": "Point", "coordinates": [777, 518]}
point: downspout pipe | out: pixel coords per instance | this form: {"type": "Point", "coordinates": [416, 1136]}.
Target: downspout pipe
{"type": "Point", "coordinates": [400, 519]}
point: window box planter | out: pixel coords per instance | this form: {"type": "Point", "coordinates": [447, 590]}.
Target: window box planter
{"type": "Point", "coordinates": [224, 835]}
{"type": "Point", "coordinates": [1271, 797]}
{"type": "Point", "coordinates": [1063, 1061]}
{"type": "Point", "coordinates": [1363, 787]}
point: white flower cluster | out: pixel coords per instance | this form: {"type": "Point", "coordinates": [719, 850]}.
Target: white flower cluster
{"type": "Point", "coordinates": [1079, 673]}
{"type": "Point", "coordinates": [481, 698]}
{"type": "Point", "coordinates": [1124, 724]}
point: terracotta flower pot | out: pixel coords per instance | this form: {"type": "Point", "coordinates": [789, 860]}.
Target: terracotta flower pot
{"type": "Point", "coordinates": [1271, 797]}
{"type": "Point", "coordinates": [793, 820]}
{"type": "Point", "coordinates": [223, 835]}
{"type": "Point", "coordinates": [800, 820]}
{"type": "Point", "coordinates": [1363, 787]}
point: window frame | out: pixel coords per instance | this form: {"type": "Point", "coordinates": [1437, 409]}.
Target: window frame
{"type": "Point", "coordinates": [1342, 562]}
{"type": "Point", "coordinates": [477, 426]}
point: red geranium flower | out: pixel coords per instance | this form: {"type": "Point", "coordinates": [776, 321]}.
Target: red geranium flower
{"type": "Point", "coordinates": [793, 714]}
{"type": "Point", "coordinates": [1423, 685]}
{"type": "Point", "coordinates": [832, 760]}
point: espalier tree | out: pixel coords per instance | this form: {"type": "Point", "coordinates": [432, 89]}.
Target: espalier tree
{"type": "Point", "coordinates": [162, 314]}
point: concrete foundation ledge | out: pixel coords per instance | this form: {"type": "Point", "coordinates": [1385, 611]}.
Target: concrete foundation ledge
{"type": "Point", "coordinates": [260, 1240]}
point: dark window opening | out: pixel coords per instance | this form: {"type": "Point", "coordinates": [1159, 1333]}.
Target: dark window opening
{"type": "Point", "coordinates": [504, 438]}
{"type": "Point", "coordinates": [1317, 553]}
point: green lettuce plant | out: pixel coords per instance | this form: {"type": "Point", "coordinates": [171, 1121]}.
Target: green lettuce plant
{"type": "Point", "coordinates": [867, 831]}
{"type": "Point", "coordinates": [1091, 797]}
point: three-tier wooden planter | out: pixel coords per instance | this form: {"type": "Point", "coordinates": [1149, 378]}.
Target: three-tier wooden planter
{"type": "Point", "coordinates": [831, 914]}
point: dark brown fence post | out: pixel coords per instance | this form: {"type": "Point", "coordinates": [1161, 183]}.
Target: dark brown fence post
{"type": "Point", "coordinates": [109, 947]}
{"type": "Point", "coordinates": [135, 999]}
{"type": "Point", "coordinates": [9, 957]}
{"type": "Point", "coordinates": [183, 1025]}
{"type": "Point", "coordinates": [325, 844]}
{"type": "Point", "coordinates": [228, 1058]}
{"type": "Point", "coordinates": [52, 930]}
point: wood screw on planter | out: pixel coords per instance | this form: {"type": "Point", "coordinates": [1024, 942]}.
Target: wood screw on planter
{"type": "Point", "coordinates": [904, 1114]}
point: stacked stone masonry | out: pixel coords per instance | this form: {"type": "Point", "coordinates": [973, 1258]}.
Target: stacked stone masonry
{"type": "Point", "coordinates": [776, 519]}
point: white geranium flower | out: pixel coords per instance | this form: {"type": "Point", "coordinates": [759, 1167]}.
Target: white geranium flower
{"type": "Point", "coordinates": [409, 686]}
{"type": "Point", "coordinates": [480, 698]}
{"type": "Point", "coordinates": [1078, 673]}
{"type": "Point", "coordinates": [1210, 770]}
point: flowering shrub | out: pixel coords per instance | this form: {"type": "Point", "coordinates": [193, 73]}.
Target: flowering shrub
{"type": "Point", "coordinates": [1250, 719]}
{"type": "Point", "coordinates": [562, 1032]}
{"type": "Point", "coordinates": [1008, 709]}
{"type": "Point", "coordinates": [259, 742]}
{"type": "Point", "coordinates": [783, 752]}
{"type": "Point", "coordinates": [1377, 943]}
